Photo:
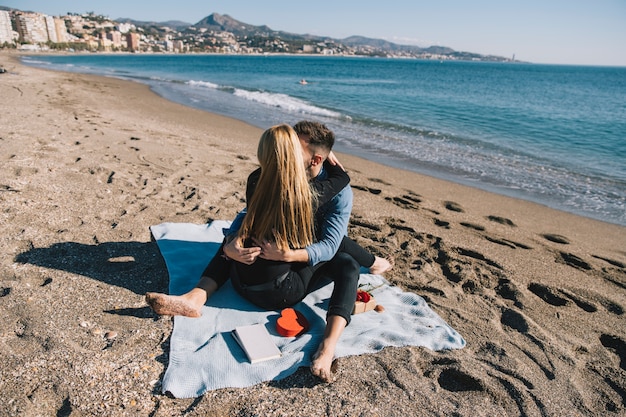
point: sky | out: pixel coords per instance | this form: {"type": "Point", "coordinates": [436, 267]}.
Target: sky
{"type": "Point", "coordinates": [577, 32]}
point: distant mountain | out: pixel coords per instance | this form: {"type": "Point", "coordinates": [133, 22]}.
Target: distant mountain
{"type": "Point", "coordinates": [376, 43]}
{"type": "Point", "coordinates": [439, 50]}
{"type": "Point", "coordinates": [226, 23]}
{"type": "Point", "coordinates": [174, 24]}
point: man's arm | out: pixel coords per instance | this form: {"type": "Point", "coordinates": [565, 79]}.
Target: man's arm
{"type": "Point", "coordinates": [334, 227]}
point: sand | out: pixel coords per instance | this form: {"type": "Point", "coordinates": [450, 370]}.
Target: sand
{"type": "Point", "coordinates": [89, 163]}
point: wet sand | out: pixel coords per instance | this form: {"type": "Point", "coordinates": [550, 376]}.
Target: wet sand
{"type": "Point", "coordinates": [89, 163]}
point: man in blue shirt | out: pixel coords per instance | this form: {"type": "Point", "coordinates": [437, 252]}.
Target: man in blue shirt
{"type": "Point", "coordinates": [324, 257]}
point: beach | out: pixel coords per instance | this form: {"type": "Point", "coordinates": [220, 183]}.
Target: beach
{"type": "Point", "coordinates": [89, 163]}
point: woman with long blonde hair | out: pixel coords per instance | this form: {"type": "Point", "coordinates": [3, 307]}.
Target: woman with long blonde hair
{"type": "Point", "coordinates": [281, 206]}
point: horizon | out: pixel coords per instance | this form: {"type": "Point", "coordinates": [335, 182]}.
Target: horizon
{"type": "Point", "coordinates": [558, 32]}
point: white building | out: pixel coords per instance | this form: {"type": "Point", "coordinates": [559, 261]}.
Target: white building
{"type": "Point", "coordinates": [6, 31]}
{"type": "Point", "coordinates": [51, 28]}
{"type": "Point", "coordinates": [61, 30]}
{"type": "Point", "coordinates": [125, 27]}
{"type": "Point", "coordinates": [32, 27]}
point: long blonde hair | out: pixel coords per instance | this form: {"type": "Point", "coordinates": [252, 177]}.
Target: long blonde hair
{"type": "Point", "coordinates": [281, 207]}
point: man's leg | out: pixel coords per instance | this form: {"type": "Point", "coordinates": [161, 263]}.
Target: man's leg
{"type": "Point", "coordinates": [375, 264]}
{"type": "Point", "coordinates": [323, 358]}
{"type": "Point", "coordinates": [344, 271]}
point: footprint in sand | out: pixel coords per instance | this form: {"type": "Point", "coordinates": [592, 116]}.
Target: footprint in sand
{"type": "Point", "coordinates": [378, 180]}
{"type": "Point", "coordinates": [611, 261]}
{"type": "Point", "coordinates": [406, 201]}
{"type": "Point", "coordinates": [547, 294]}
{"type": "Point", "coordinates": [452, 206]}
{"type": "Point", "coordinates": [514, 320]}
{"type": "Point", "coordinates": [501, 220]}
{"type": "Point", "coordinates": [357, 222]}
{"type": "Point", "coordinates": [573, 261]}
{"type": "Point", "coordinates": [455, 380]}
{"type": "Point", "coordinates": [617, 346]}
{"type": "Point", "coordinates": [560, 297]}
{"type": "Point", "coordinates": [556, 238]}
{"type": "Point", "coordinates": [473, 226]}
{"type": "Point", "coordinates": [397, 224]}
{"type": "Point", "coordinates": [374, 191]}
{"type": "Point", "coordinates": [506, 242]}
{"type": "Point", "coordinates": [442, 223]}
{"type": "Point", "coordinates": [509, 291]}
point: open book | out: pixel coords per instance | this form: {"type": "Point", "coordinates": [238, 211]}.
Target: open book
{"type": "Point", "coordinates": [256, 342]}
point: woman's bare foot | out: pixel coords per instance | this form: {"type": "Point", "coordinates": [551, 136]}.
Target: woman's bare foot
{"type": "Point", "coordinates": [173, 305]}
{"type": "Point", "coordinates": [380, 265]}
{"type": "Point", "coordinates": [323, 365]}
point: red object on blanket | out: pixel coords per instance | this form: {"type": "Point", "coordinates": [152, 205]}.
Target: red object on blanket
{"type": "Point", "coordinates": [363, 296]}
{"type": "Point", "coordinates": [291, 323]}
{"type": "Point", "coordinates": [364, 302]}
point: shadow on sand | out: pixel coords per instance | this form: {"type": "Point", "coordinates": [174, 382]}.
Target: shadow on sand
{"type": "Point", "coordinates": [137, 266]}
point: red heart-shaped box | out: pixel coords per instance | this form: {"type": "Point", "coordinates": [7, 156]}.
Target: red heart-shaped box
{"type": "Point", "coordinates": [291, 323]}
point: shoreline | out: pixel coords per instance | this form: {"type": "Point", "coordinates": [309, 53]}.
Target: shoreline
{"type": "Point", "coordinates": [89, 163]}
{"type": "Point", "coordinates": [534, 193]}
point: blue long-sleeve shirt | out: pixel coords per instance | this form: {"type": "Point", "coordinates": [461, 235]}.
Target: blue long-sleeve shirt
{"type": "Point", "coordinates": [331, 224]}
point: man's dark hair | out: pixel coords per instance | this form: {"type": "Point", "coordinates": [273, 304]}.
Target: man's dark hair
{"type": "Point", "coordinates": [319, 135]}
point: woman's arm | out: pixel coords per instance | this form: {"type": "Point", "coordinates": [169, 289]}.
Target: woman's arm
{"type": "Point", "coordinates": [337, 179]}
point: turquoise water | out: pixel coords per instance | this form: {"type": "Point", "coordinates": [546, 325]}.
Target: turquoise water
{"type": "Point", "coordinates": [551, 134]}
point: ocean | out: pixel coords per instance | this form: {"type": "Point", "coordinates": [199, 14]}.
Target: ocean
{"type": "Point", "coordinates": [555, 135]}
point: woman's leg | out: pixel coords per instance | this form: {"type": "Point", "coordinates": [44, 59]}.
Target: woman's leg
{"type": "Point", "coordinates": [190, 304]}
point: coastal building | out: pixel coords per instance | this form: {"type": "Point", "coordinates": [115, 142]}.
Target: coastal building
{"type": "Point", "coordinates": [179, 46]}
{"type": "Point", "coordinates": [132, 41]}
{"type": "Point", "coordinates": [116, 38]}
{"type": "Point", "coordinates": [50, 28]}
{"type": "Point", "coordinates": [31, 27]}
{"type": "Point", "coordinates": [61, 30]}
{"type": "Point", "coordinates": [6, 30]}
{"type": "Point", "coordinates": [125, 27]}
{"type": "Point", "coordinates": [104, 43]}
{"type": "Point", "coordinates": [76, 23]}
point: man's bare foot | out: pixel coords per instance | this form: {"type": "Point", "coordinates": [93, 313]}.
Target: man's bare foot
{"type": "Point", "coordinates": [380, 265]}
{"type": "Point", "coordinates": [323, 365]}
{"type": "Point", "coordinates": [172, 305]}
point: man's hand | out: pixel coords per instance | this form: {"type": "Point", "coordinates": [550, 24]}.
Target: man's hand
{"type": "Point", "coordinates": [270, 251]}
{"type": "Point", "coordinates": [235, 251]}
{"type": "Point", "coordinates": [332, 159]}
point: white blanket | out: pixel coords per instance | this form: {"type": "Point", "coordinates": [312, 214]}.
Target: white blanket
{"type": "Point", "coordinates": [204, 356]}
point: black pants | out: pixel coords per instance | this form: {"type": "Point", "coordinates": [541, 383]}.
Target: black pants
{"type": "Point", "coordinates": [288, 283]}
{"type": "Point", "coordinates": [291, 287]}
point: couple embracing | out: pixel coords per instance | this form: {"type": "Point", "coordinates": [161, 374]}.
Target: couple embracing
{"type": "Point", "coordinates": [291, 236]}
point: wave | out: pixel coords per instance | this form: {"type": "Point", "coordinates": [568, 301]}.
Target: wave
{"type": "Point", "coordinates": [285, 102]}
{"type": "Point", "coordinates": [279, 100]}
{"type": "Point", "coordinates": [205, 84]}
{"type": "Point", "coordinates": [29, 60]}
